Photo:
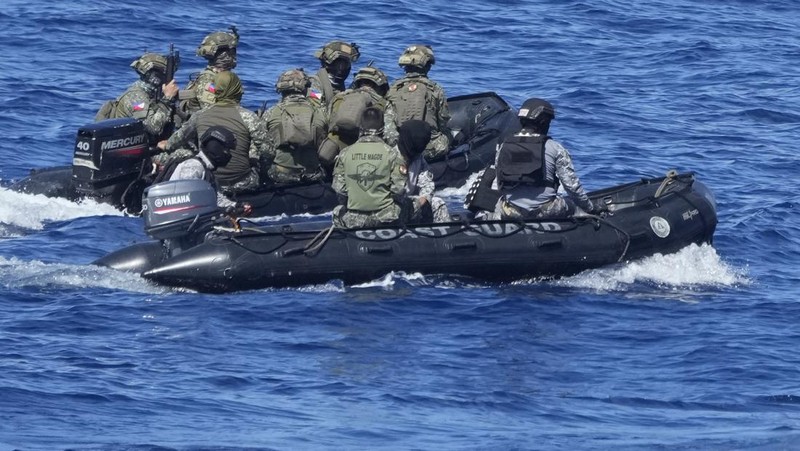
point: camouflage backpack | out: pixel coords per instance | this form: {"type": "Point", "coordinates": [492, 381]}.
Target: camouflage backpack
{"type": "Point", "coordinates": [107, 111]}
{"type": "Point", "coordinates": [412, 99]}
{"type": "Point", "coordinates": [296, 128]}
{"type": "Point", "coordinates": [348, 107]}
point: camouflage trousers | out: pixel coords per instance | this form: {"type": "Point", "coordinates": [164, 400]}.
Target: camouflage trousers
{"type": "Point", "coordinates": [249, 183]}
{"type": "Point", "coordinates": [558, 207]}
{"type": "Point", "coordinates": [164, 158]}
{"type": "Point", "coordinates": [291, 177]}
{"type": "Point", "coordinates": [352, 219]}
{"type": "Point", "coordinates": [438, 147]}
{"type": "Point", "coordinates": [437, 206]}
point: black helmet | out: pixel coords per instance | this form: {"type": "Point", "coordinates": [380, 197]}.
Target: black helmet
{"type": "Point", "coordinates": [372, 119]}
{"type": "Point", "coordinates": [534, 109]}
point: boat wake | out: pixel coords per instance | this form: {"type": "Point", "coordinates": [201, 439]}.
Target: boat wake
{"type": "Point", "coordinates": [20, 212]}
{"type": "Point", "coordinates": [19, 274]}
{"type": "Point", "coordinates": [692, 267]}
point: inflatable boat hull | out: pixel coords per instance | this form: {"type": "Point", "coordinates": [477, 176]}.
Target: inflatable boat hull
{"type": "Point", "coordinates": [648, 217]}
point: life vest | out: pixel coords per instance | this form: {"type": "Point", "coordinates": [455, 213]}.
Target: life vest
{"type": "Point", "coordinates": [521, 161]}
{"type": "Point", "coordinates": [413, 99]}
{"type": "Point", "coordinates": [368, 171]}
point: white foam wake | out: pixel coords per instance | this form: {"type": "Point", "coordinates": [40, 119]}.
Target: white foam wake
{"type": "Point", "coordinates": [16, 273]}
{"type": "Point", "coordinates": [692, 266]}
{"type": "Point", "coordinates": [32, 211]}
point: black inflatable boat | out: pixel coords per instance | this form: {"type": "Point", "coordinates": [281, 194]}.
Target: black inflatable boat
{"type": "Point", "coordinates": [658, 215]}
{"type": "Point", "coordinates": [111, 155]}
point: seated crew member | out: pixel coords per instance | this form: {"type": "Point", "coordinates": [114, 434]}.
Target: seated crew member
{"type": "Point", "coordinates": [216, 145]}
{"type": "Point", "coordinates": [414, 135]}
{"type": "Point", "coordinates": [150, 99]}
{"type": "Point", "coordinates": [369, 88]}
{"type": "Point", "coordinates": [336, 58]}
{"type": "Point", "coordinates": [252, 141]}
{"type": "Point", "coordinates": [369, 179]}
{"type": "Point", "coordinates": [530, 165]}
{"type": "Point", "coordinates": [219, 49]}
{"type": "Point", "coordinates": [297, 125]}
{"type": "Point", "coordinates": [416, 96]}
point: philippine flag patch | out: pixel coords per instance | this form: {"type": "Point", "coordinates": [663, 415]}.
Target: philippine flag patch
{"type": "Point", "coordinates": [137, 106]}
{"type": "Point", "coordinates": [315, 95]}
{"type": "Point", "coordinates": [212, 88]}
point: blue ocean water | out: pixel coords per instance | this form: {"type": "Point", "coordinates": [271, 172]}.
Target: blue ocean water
{"type": "Point", "coordinates": [696, 350]}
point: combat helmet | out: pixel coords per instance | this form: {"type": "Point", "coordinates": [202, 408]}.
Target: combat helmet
{"type": "Point", "coordinates": [217, 40]}
{"type": "Point", "coordinates": [293, 80]}
{"type": "Point", "coordinates": [417, 55]}
{"type": "Point", "coordinates": [334, 50]}
{"type": "Point", "coordinates": [148, 62]}
{"type": "Point", "coordinates": [537, 109]}
{"type": "Point", "coordinates": [372, 74]}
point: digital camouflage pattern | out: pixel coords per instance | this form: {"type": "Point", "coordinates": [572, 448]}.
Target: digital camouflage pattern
{"type": "Point", "coordinates": [139, 102]}
{"type": "Point", "coordinates": [202, 91]}
{"type": "Point", "coordinates": [415, 96]}
{"type": "Point", "coordinates": [420, 184]}
{"type": "Point", "coordinates": [371, 175]}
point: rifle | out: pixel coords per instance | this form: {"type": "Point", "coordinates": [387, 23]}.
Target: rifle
{"type": "Point", "coordinates": [173, 59]}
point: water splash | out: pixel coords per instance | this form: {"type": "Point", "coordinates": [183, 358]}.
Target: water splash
{"type": "Point", "coordinates": [388, 281]}
{"type": "Point", "coordinates": [693, 266]}
{"type": "Point", "coordinates": [17, 274]}
{"type": "Point", "coordinates": [32, 211]}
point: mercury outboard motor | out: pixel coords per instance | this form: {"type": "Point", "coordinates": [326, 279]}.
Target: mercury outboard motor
{"type": "Point", "coordinates": [180, 212]}
{"type": "Point", "coordinates": [108, 158]}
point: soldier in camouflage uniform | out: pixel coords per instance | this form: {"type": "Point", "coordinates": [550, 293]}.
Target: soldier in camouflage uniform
{"type": "Point", "coordinates": [415, 96]}
{"type": "Point", "coordinates": [336, 59]}
{"type": "Point", "coordinates": [370, 86]}
{"type": "Point", "coordinates": [219, 48]}
{"type": "Point", "coordinates": [150, 99]}
{"type": "Point", "coordinates": [425, 207]}
{"type": "Point", "coordinates": [297, 125]}
{"type": "Point", "coordinates": [252, 141]}
{"type": "Point", "coordinates": [370, 178]}
{"type": "Point", "coordinates": [530, 165]}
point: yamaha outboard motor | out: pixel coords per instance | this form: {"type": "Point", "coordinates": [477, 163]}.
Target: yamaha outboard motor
{"type": "Point", "coordinates": [180, 212]}
{"type": "Point", "coordinates": [108, 158]}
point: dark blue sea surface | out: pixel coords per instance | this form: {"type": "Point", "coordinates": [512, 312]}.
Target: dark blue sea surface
{"type": "Point", "coordinates": [695, 350]}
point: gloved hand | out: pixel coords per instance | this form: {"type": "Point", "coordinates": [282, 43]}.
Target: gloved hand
{"type": "Point", "coordinates": [599, 209]}
{"type": "Point", "coordinates": [240, 209]}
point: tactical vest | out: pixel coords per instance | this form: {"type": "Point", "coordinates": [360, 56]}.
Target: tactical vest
{"type": "Point", "coordinates": [368, 171]}
{"type": "Point", "coordinates": [350, 106]}
{"type": "Point", "coordinates": [521, 161]}
{"type": "Point", "coordinates": [413, 99]}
